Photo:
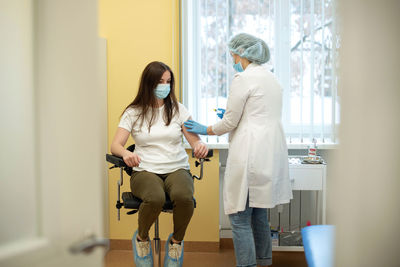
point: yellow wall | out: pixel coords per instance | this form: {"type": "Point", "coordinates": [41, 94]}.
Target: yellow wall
{"type": "Point", "coordinates": [137, 33]}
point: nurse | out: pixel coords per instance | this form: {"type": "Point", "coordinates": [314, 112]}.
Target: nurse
{"type": "Point", "coordinates": [257, 170]}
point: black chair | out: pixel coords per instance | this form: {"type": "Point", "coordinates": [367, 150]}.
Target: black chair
{"type": "Point", "coordinates": [129, 201]}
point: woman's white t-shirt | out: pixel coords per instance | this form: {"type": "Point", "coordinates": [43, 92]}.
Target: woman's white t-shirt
{"type": "Point", "coordinates": [160, 150]}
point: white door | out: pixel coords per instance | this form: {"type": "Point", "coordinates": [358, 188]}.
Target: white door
{"type": "Point", "coordinates": [53, 133]}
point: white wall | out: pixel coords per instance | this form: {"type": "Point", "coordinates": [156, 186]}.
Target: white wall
{"type": "Point", "coordinates": [18, 199]}
{"type": "Point", "coordinates": [365, 194]}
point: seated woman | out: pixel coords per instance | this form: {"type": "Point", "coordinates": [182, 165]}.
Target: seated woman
{"type": "Point", "coordinates": [160, 164]}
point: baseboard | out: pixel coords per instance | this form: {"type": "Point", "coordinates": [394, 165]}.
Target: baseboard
{"type": "Point", "coordinates": [190, 246]}
{"type": "Point", "coordinates": [226, 243]}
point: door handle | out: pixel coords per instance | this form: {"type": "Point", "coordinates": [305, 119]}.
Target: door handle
{"type": "Point", "coordinates": [88, 244]}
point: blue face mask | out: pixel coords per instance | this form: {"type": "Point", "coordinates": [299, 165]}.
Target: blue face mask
{"type": "Point", "coordinates": [162, 90]}
{"type": "Point", "coordinates": [238, 67]}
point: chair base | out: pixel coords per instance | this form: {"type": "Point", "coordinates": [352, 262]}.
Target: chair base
{"type": "Point", "coordinates": [157, 245]}
{"type": "Point", "coordinates": [157, 251]}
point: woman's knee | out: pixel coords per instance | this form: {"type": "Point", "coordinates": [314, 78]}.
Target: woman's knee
{"type": "Point", "coordinates": [155, 200]}
{"type": "Point", "coordinates": [183, 198]}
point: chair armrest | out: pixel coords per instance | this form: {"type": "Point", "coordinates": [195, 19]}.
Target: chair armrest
{"type": "Point", "coordinates": [210, 154]}
{"type": "Point", "coordinates": [117, 161]}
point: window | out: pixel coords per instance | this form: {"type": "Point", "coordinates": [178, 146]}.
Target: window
{"type": "Point", "coordinates": [303, 45]}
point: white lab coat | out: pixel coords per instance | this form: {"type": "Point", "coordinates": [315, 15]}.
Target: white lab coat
{"type": "Point", "coordinates": [257, 162]}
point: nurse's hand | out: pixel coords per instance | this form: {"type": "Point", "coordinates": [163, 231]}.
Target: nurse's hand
{"type": "Point", "coordinates": [200, 150]}
{"type": "Point", "coordinates": [220, 112]}
{"type": "Point", "coordinates": [195, 127]}
{"type": "Point", "coordinates": [131, 159]}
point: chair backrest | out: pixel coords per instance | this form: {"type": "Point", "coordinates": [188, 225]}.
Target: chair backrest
{"type": "Point", "coordinates": [319, 245]}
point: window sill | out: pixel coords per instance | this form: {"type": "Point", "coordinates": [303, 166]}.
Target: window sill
{"type": "Point", "coordinates": [325, 146]}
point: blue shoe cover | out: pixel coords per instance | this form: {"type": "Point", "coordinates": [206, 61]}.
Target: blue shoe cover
{"type": "Point", "coordinates": [170, 262]}
{"type": "Point", "coordinates": [146, 261]}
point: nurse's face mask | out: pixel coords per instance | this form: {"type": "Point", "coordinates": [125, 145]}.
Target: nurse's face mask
{"type": "Point", "coordinates": [238, 66]}
{"type": "Point", "coordinates": [162, 90]}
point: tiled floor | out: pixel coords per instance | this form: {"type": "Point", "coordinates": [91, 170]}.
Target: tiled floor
{"type": "Point", "coordinates": [223, 258]}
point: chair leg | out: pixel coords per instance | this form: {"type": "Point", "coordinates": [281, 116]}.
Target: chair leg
{"type": "Point", "coordinates": [157, 245]}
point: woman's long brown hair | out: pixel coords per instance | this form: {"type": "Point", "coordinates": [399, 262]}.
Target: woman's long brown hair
{"type": "Point", "coordinates": [145, 99]}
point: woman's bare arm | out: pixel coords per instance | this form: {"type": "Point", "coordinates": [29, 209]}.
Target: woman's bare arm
{"type": "Point", "coordinates": [199, 148]}
{"type": "Point", "coordinates": [118, 149]}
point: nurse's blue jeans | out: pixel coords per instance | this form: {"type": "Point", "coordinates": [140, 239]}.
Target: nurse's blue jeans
{"type": "Point", "coordinates": [251, 237]}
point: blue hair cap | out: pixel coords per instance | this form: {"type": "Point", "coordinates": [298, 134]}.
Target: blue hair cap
{"type": "Point", "coordinates": [250, 47]}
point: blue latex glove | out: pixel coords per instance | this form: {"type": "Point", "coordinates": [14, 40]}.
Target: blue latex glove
{"type": "Point", "coordinates": [195, 127]}
{"type": "Point", "coordinates": [220, 112]}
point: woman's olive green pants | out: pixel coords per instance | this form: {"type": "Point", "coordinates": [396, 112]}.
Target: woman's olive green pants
{"type": "Point", "coordinates": [151, 188]}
